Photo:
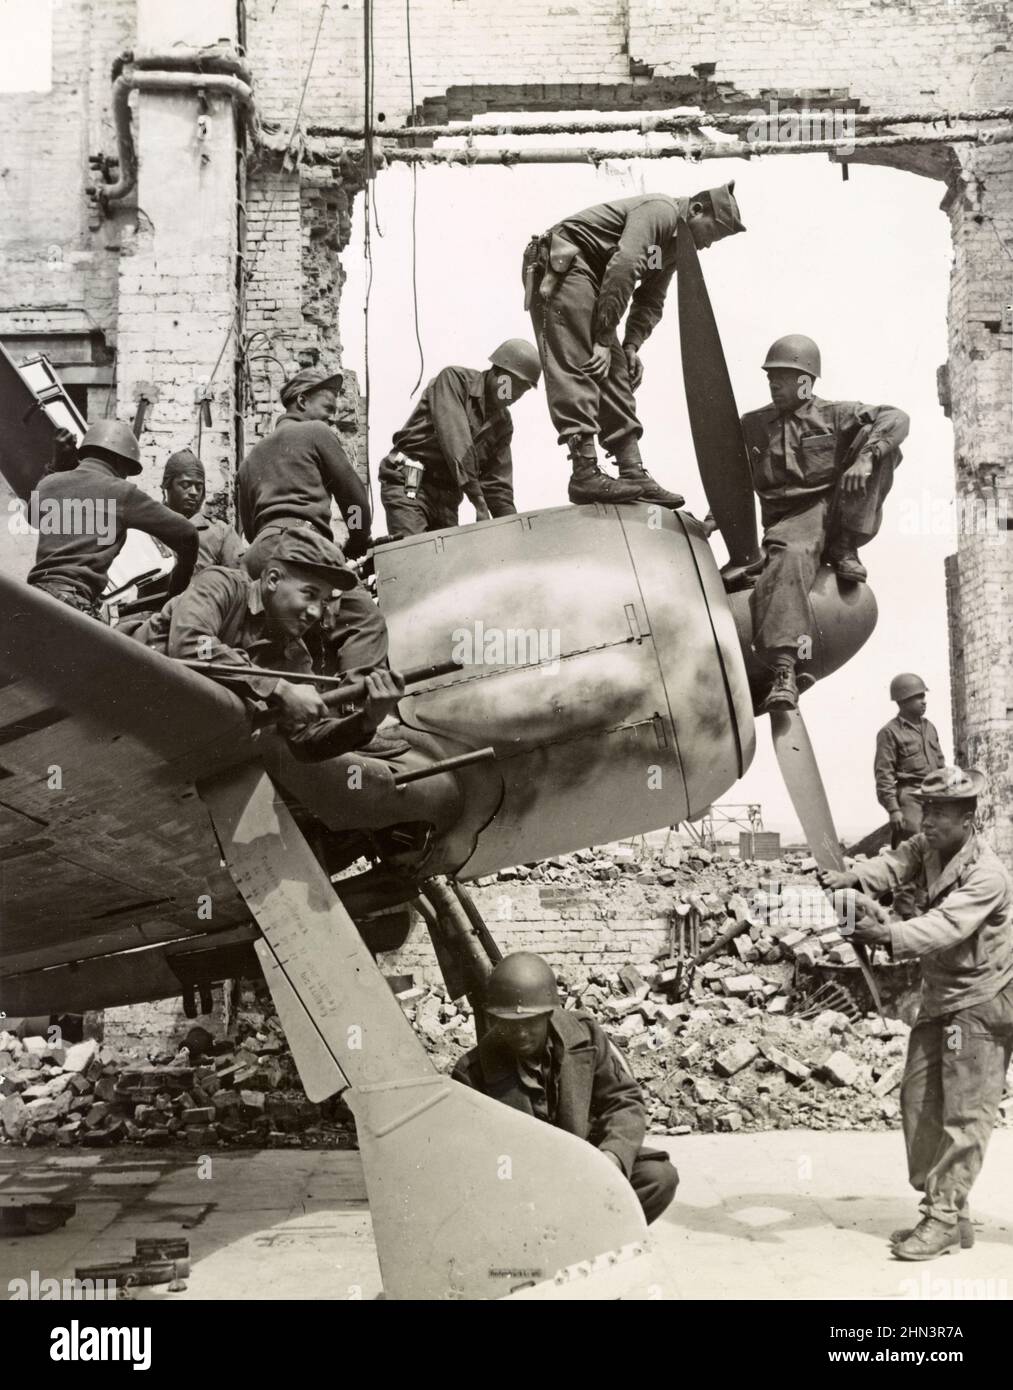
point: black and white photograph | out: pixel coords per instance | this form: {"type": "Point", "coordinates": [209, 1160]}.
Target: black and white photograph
{"type": "Point", "coordinates": [506, 671]}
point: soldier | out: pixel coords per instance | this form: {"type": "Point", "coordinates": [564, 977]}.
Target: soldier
{"type": "Point", "coordinates": [183, 490]}
{"type": "Point", "coordinates": [561, 1068]}
{"type": "Point", "coordinates": [84, 513]}
{"type": "Point", "coordinates": [456, 443]}
{"type": "Point", "coordinates": [225, 617]}
{"type": "Point", "coordinates": [961, 1044]}
{"type": "Point", "coordinates": [288, 482]}
{"type": "Point", "coordinates": [579, 279]}
{"type": "Point", "coordinates": [822, 470]}
{"type": "Point", "coordinates": [907, 750]}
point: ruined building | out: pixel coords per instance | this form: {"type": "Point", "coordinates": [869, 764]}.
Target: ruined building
{"type": "Point", "coordinates": [176, 202]}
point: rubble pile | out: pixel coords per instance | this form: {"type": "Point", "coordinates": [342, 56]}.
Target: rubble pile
{"type": "Point", "coordinates": [242, 1091]}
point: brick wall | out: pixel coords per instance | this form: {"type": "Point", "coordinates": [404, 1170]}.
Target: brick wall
{"type": "Point", "coordinates": [571, 925]}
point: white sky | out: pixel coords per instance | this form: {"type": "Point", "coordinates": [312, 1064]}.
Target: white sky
{"type": "Point", "coordinates": [861, 266]}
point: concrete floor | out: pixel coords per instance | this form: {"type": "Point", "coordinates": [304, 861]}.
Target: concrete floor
{"type": "Point", "coordinates": [785, 1215]}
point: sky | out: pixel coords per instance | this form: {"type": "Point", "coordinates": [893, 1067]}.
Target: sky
{"type": "Point", "coordinates": [862, 266]}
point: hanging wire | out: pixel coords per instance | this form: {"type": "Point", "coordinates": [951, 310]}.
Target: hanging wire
{"type": "Point", "coordinates": [367, 249]}
{"type": "Point", "coordinates": [415, 194]}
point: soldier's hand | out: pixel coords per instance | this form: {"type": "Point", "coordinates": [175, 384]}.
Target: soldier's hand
{"type": "Point", "coordinates": [383, 690]}
{"type": "Point", "coordinates": [830, 878]}
{"type": "Point", "coordinates": [299, 705]}
{"type": "Point", "coordinates": [598, 364]}
{"type": "Point", "coordinates": [634, 366]}
{"type": "Point", "coordinates": [897, 819]}
{"type": "Point", "coordinates": [871, 932]}
{"type": "Point", "coordinates": [856, 477]}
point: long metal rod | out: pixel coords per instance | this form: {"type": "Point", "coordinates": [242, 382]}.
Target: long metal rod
{"type": "Point", "coordinates": [731, 149]}
{"type": "Point", "coordinates": [480, 755]}
{"type": "Point", "coordinates": [348, 685]}
{"type": "Point", "coordinates": [647, 121]}
{"type": "Point", "coordinates": [331, 152]}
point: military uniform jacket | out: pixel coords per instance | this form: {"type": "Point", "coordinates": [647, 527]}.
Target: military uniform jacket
{"type": "Point", "coordinates": [905, 754]}
{"type": "Point", "coordinates": [595, 1097]}
{"type": "Point", "coordinates": [964, 931]}
{"type": "Point", "coordinates": [630, 245]}
{"type": "Point", "coordinates": [797, 457]}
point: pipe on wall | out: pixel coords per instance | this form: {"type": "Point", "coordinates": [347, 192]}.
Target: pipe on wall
{"type": "Point", "coordinates": [154, 80]}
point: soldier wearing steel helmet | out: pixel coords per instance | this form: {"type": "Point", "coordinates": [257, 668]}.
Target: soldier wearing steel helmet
{"type": "Point", "coordinates": [907, 750]}
{"type": "Point", "coordinates": [962, 1041]}
{"type": "Point", "coordinates": [98, 506]}
{"type": "Point", "coordinates": [558, 1066]}
{"type": "Point", "coordinates": [456, 444]}
{"type": "Point", "coordinates": [822, 470]}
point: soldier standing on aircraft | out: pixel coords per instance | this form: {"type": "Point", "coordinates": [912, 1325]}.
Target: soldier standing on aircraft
{"type": "Point", "coordinates": [579, 279]}
{"type": "Point", "coordinates": [456, 443]}
{"type": "Point", "coordinates": [183, 489]}
{"type": "Point", "coordinates": [962, 1041]}
{"type": "Point", "coordinates": [560, 1067]}
{"type": "Point", "coordinates": [227, 618]}
{"type": "Point", "coordinates": [288, 481]}
{"type": "Point", "coordinates": [85, 513]}
{"type": "Point", "coordinates": [822, 470]}
{"type": "Point", "coordinates": [907, 750]}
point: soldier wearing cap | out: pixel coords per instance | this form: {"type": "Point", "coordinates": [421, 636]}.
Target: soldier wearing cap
{"type": "Point", "coordinates": [822, 470]}
{"type": "Point", "coordinates": [84, 515]}
{"type": "Point", "coordinates": [579, 279]}
{"type": "Point", "coordinates": [183, 491]}
{"type": "Point", "coordinates": [288, 481]}
{"type": "Point", "coordinates": [225, 617]}
{"type": "Point", "coordinates": [456, 443]}
{"type": "Point", "coordinates": [560, 1067]}
{"type": "Point", "coordinates": [907, 750]}
{"type": "Point", "coordinates": [962, 1041]}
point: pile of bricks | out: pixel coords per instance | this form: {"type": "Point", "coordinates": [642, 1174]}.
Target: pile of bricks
{"type": "Point", "coordinates": [242, 1091]}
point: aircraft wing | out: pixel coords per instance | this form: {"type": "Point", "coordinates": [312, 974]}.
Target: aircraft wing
{"type": "Point", "coordinates": [105, 845]}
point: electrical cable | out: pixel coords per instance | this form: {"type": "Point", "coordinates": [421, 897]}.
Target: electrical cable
{"type": "Point", "coordinates": [415, 193]}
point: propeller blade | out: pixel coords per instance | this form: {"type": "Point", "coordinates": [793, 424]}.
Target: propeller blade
{"type": "Point", "coordinates": [801, 773]}
{"type": "Point", "coordinates": [713, 415]}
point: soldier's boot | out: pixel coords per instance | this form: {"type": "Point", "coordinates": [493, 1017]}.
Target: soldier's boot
{"type": "Point", "coordinates": [588, 483]}
{"type": "Point", "coordinates": [631, 466]}
{"type": "Point", "coordinates": [931, 1237]}
{"type": "Point", "coordinates": [783, 693]}
{"type": "Point", "coordinates": [963, 1226]}
{"type": "Point", "coordinates": [843, 556]}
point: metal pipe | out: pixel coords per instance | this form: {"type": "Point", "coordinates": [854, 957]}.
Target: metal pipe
{"type": "Point", "coordinates": [352, 688]}
{"type": "Point", "coordinates": [733, 149]}
{"type": "Point", "coordinates": [223, 84]}
{"type": "Point", "coordinates": [480, 755]}
{"type": "Point", "coordinates": [647, 121]}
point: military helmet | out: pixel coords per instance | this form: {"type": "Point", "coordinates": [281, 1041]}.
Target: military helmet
{"type": "Point", "coordinates": [520, 357]}
{"type": "Point", "coordinates": [521, 986]}
{"type": "Point", "coordinates": [905, 685]}
{"type": "Point", "coordinates": [794, 350]}
{"type": "Point", "coordinates": [113, 437]}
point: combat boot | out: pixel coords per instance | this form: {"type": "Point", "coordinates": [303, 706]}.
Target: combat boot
{"type": "Point", "coordinates": [588, 483]}
{"type": "Point", "coordinates": [783, 694]}
{"type": "Point", "coordinates": [963, 1226]}
{"type": "Point", "coordinates": [843, 556]}
{"type": "Point", "coordinates": [931, 1237]}
{"type": "Point", "coordinates": [631, 466]}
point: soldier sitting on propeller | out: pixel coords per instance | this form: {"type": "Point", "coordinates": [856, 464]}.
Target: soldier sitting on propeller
{"type": "Point", "coordinates": [822, 470]}
{"type": "Point", "coordinates": [962, 1041]}
{"type": "Point", "coordinates": [456, 444]}
{"type": "Point", "coordinates": [560, 1067]}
